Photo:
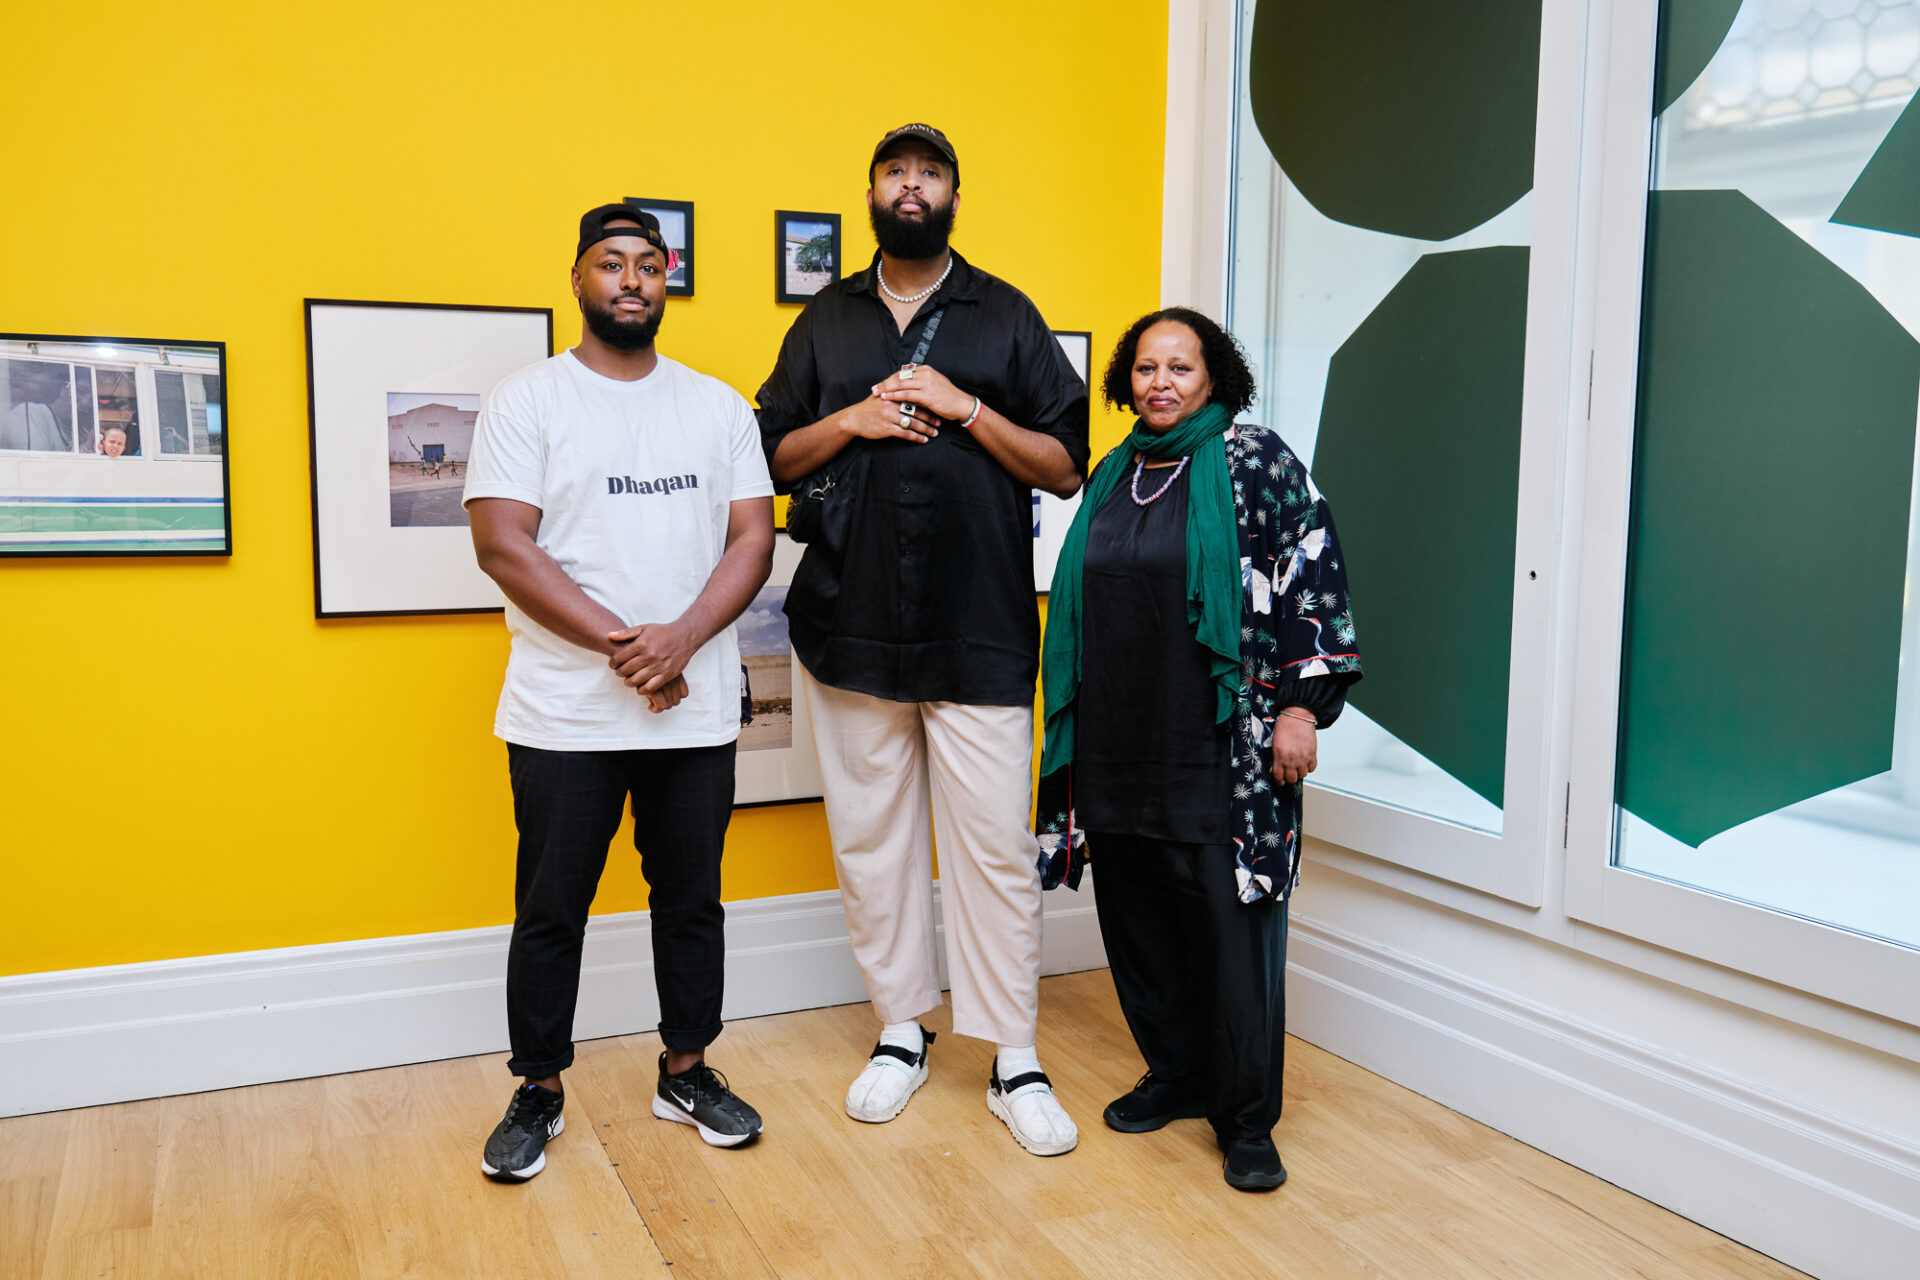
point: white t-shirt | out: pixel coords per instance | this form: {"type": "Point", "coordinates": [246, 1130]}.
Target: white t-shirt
{"type": "Point", "coordinates": [633, 481]}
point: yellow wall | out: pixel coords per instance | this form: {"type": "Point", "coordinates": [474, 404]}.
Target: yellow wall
{"type": "Point", "coordinates": [189, 762]}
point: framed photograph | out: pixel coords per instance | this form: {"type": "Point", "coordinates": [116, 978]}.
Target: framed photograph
{"type": "Point", "coordinates": [776, 764]}
{"type": "Point", "coordinates": [676, 228]}
{"type": "Point", "coordinates": [113, 447]}
{"type": "Point", "coordinates": [393, 391]}
{"type": "Point", "coordinates": [806, 254]}
{"type": "Point", "coordinates": [1052, 515]}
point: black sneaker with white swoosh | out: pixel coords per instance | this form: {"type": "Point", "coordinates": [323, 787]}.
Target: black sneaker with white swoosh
{"type": "Point", "coordinates": [517, 1148]}
{"type": "Point", "coordinates": [699, 1096]}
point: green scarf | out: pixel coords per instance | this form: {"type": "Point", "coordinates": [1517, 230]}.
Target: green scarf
{"type": "Point", "coordinates": [1213, 571]}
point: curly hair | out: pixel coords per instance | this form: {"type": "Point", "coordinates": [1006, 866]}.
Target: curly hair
{"type": "Point", "coordinates": [1226, 363]}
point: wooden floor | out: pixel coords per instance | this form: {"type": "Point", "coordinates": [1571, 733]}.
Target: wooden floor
{"type": "Point", "coordinates": [377, 1175]}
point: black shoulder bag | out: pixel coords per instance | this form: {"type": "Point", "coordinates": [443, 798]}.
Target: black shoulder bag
{"type": "Point", "coordinates": [821, 507]}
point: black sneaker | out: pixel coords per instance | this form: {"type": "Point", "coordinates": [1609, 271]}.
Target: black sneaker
{"type": "Point", "coordinates": [1151, 1104]}
{"type": "Point", "coordinates": [517, 1148]}
{"type": "Point", "coordinates": [1253, 1164]}
{"type": "Point", "coordinates": [699, 1096]}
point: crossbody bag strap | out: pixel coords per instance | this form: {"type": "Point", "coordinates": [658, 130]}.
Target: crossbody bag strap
{"type": "Point", "coordinates": [926, 336]}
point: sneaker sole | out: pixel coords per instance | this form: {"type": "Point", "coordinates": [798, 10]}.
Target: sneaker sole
{"type": "Point", "coordinates": [1253, 1181]}
{"type": "Point", "coordinates": [1150, 1123]}
{"type": "Point", "coordinates": [539, 1161]}
{"type": "Point", "coordinates": [1001, 1109]}
{"type": "Point", "coordinates": [664, 1110]}
{"type": "Point", "coordinates": [878, 1117]}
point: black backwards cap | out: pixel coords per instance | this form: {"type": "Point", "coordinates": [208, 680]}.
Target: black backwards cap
{"type": "Point", "coordinates": [594, 228]}
{"type": "Point", "coordinates": [925, 133]}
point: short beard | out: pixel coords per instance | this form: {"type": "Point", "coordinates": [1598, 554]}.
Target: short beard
{"type": "Point", "coordinates": [621, 335]}
{"type": "Point", "coordinates": [913, 240]}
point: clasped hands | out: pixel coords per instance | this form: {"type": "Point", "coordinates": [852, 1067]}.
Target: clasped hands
{"type": "Point", "coordinates": [650, 659]}
{"type": "Point", "coordinates": [909, 405]}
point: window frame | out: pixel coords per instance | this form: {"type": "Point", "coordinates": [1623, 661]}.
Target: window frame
{"type": "Point", "coordinates": [1509, 865]}
{"type": "Point", "coordinates": [1819, 959]}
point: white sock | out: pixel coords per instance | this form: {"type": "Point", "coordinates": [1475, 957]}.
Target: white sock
{"type": "Point", "coordinates": [904, 1035]}
{"type": "Point", "coordinates": [1014, 1060]}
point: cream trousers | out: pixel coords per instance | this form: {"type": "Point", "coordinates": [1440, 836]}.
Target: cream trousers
{"type": "Point", "coordinates": [886, 768]}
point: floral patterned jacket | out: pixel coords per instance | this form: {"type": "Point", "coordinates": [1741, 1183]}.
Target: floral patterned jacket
{"type": "Point", "coordinates": [1295, 622]}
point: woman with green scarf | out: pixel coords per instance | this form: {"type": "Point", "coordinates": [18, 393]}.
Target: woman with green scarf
{"type": "Point", "coordinates": [1198, 636]}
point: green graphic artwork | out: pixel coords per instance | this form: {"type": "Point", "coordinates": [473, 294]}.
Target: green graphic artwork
{"type": "Point", "coordinates": [1886, 195]}
{"type": "Point", "coordinates": [1419, 453]}
{"type": "Point", "coordinates": [1772, 482]}
{"type": "Point", "coordinates": [1690, 33]}
{"type": "Point", "coordinates": [1410, 117]}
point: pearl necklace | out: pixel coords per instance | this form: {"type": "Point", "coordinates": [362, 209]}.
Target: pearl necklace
{"type": "Point", "coordinates": [881, 269]}
{"type": "Point", "coordinates": [1140, 466]}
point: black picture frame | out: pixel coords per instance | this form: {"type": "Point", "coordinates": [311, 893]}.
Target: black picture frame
{"type": "Point", "coordinates": [340, 587]}
{"type": "Point", "coordinates": [674, 215]}
{"type": "Point", "coordinates": [787, 246]}
{"type": "Point", "coordinates": [1052, 515]}
{"type": "Point", "coordinates": [157, 471]}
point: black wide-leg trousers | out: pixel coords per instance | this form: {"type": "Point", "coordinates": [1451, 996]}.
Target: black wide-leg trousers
{"type": "Point", "coordinates": [1201, 976]}
{"type": "Point", "coordinates": [567, 806]}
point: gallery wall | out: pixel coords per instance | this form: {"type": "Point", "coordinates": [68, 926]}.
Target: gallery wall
{"type": "Point", "coordinates": [190, 763]}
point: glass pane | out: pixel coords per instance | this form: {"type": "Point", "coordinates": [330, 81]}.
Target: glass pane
{"type": "Point", "coordinates": [36, 405]}
{"type": "Point", "coordinates": [212, 409]}
{"type": "Point", "coordinates": [1378, 270]}
{"type": "Point", "coordinates": [119, 408]}
{"type": "Point", "coordinates": [1770, 727]}
{"type": "Point", "coordinates": [170, 405]}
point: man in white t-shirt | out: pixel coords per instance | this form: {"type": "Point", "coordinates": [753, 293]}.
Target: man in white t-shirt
{"type": "Point", "coordinates": [621, 501]}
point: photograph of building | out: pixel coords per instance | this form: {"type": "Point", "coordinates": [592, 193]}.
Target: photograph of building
{"type": "Point", "coordinates": [429, 438]}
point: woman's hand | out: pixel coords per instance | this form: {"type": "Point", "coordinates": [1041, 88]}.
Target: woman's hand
{"type": "Point", "coordinates": [1296, 747]}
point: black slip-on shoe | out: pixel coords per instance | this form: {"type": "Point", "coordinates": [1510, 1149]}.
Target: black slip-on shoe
{"type": "Point", "coordinates": [517, 1148]}
{"type": "Point", "coordinates": [1253, 1164]}
{"type": "Point", "coordinates": [699, 1096]}
{"type": "Point", "coordinates": [1151, 1104]}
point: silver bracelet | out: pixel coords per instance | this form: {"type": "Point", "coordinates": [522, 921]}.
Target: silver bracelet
{"type": "Point", "coordinates": [1307, 719]}
{"type": "Point", "coordinates": [974, 414]}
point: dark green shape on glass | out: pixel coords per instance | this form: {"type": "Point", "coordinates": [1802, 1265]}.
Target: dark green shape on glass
{"type": "Point", "coordinates": [1690, 34]}
{"type": "Point", "coordinates": [1772, 479]}
{"type": "Point", "coordinates": [1886, 195]}
{"type": "Point", "coordinates": [1412, 117]}
{"type": "Point", "coordinates": [1419, 454]}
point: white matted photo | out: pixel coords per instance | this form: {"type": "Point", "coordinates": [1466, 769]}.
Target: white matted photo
{"type": "Point", "coordinates": [1052, 515]}
{"type": "Point", "coordinates": [775, 764]}
{"type": "Point", "coordinates": [393, 392]}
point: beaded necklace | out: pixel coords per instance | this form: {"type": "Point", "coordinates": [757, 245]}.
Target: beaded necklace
{"type": "Point", "coordinates": [1140, 466]}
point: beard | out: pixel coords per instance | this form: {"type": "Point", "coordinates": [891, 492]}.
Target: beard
{"type": "Point", "coordinates": [620, 333]}
{"type": "Point", "coordinates": [912, 238]}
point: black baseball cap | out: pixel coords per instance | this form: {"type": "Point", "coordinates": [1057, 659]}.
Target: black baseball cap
{"type": "Point", "coordinates": [594, 228]}
{"type": "Point", "coordinates": [924, 133]}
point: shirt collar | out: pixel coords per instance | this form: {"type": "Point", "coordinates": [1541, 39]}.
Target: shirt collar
{"type": "Point", "coordinates": [962, 286]}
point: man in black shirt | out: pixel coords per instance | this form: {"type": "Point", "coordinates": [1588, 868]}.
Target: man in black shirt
{"type": "Point", "coordinates": [942, 400]}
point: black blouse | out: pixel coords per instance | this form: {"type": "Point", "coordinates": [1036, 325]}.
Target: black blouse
{"type": "Point", "coordinates": [1149, 759]}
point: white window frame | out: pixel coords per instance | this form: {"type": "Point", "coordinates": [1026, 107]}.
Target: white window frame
{"type": "Point", "coordinates": [1511, 864]}
{"type": "Point", "coordinates": [1864, 973]}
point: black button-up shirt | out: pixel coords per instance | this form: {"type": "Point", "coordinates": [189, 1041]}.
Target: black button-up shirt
{"type": "Point", "coordinates": [934, 601]}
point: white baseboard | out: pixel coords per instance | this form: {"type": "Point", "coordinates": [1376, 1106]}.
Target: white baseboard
{"type": "Point", "coordinates": [1803, 1186]}
{"type": "Point", "coordinates": [88, 1036]}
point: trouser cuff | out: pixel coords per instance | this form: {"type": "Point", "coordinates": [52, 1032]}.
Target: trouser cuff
{"type": "Point", "coordinates": [540, 1068]}
{"type": "Point", "coordinates": [680, 1040]}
